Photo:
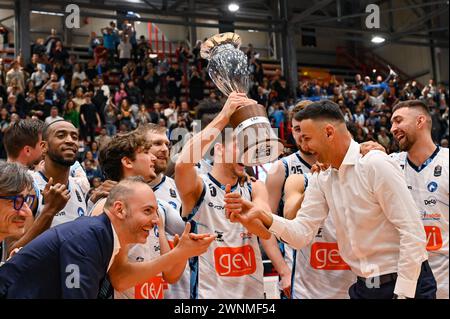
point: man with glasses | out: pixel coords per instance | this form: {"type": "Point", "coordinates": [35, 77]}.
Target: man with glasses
{"type": "Point", "coordinates": [23, 145]}
{"type": "Point", "coordinates": [15, 201]}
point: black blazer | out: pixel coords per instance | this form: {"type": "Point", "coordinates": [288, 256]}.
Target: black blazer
{"type": "Point", "coordinates": [67, 261]}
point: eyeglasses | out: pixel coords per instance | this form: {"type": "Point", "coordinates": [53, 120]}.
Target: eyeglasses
{"type": "Point", "coordinates": [19, 200]}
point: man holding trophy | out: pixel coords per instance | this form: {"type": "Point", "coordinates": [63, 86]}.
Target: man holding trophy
{"type": "Point", "coordinates": [232, 267]}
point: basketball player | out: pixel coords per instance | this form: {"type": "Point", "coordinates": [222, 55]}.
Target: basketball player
{"type": "Point", "coordinates": [60, 148]}
{"type": "Point", "coordinates": [129, 155]}
{"type": "Point", "coordinates": [426, 169]}
{"type": "Point", "coordinates": [232, 266]}
{"type": "Point", "coordinates": [165, 189]}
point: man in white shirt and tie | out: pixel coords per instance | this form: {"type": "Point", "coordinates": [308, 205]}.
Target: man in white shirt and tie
{"type": "Point", "coordinates": [379, 233]}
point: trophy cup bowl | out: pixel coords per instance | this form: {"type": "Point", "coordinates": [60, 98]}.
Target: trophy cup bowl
{"type": "Point", "coordinates": [256, 140]}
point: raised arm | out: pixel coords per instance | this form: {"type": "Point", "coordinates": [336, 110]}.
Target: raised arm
{"type": "Point", "coordinates": [189, 184]}
{"type": "Point", "coordinates": [294, 190]}
{"type": "Point", "coordinates": [274, 182]}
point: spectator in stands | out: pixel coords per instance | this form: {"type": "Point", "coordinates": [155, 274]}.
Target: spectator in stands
{"type": "Point", "coordinates": [143, 117]}
{"type": "Point", "coordinates": [124, 50]}
{"type": "Point", "coordinates": [71, 114]}
{"type": "Point", "coordinates": [103, 139]}
{"type": "Point", "coordinates": [150, 83]}
{"type": "Point", "coordinates": [41, 109]}
{"type": "Point", "coordinates": [196, 87]}
{"type": "Point", "coordinates": [39, 77]}
{"type": "Point", "coordinates": [173, 78]}
{"type": "Point", "coordinates": [59, 54]}
{"type": "Point", "coordinates": [111, 120]}
{"type": "Point", "coordinates": [53, 116]}
{"type": "Point", "coordinates": [134, 94]}
{"type": "Point", "coordinates": [17, 74]}
{"type": "Point", "coordinates": [90, 119]}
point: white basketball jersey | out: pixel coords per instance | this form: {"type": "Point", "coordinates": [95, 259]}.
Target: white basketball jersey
{"type": "Point", "coordinates": [153, 288]}
{"type": "Point", "coordinates": [166, 190]}
{"type": "Point", "coordinates": [75, 207]}
{"type": "Point", "coordinates": [293, 164]}
{"type": "Point", "coordinates": [318, 271]}
{"type": "Point", "coordinates": [203, 167]}
{"type": "Point", "coordinates": [429, 187]}
{"type": "Point", "coordinates": [232, 266]}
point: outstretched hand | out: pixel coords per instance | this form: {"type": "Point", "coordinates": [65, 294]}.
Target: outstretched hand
{"type": "Point", "coordinates": [191, 245]}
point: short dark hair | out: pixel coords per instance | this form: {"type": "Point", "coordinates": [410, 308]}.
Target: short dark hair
{"type": "Point", "coordinates": [322, 110]}
{"type": "Point", "coordinates": [46, 129]}
{"type": "Point", "coordinates": [121, 145]}
{"type": "Point", "coordinates": [416, 104]}
{"type": "Point", "coordinates": [21, 134]}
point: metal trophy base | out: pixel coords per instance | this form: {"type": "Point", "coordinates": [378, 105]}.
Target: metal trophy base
{"type": "Point", "coordinates": [257, 142]}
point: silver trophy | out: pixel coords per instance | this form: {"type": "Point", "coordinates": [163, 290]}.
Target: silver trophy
{"type": "Point", "coordinates": [228, 68]}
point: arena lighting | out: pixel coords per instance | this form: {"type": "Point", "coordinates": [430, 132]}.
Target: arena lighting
{"type": "Point", "coordinates": [233, 7]}
{"type": "Point", "coordinates": [48, 13]}
{"type": "Point", "coordinates": [378, 39]}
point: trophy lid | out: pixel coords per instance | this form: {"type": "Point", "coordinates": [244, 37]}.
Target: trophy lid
{"type": "Point", "coordinates": [218, 39]}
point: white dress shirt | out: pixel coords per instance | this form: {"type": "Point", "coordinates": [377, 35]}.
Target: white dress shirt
{"type": "Point", "coordinates": [378, 227]}
{"type": "Point", "coordinates": [116, 246]}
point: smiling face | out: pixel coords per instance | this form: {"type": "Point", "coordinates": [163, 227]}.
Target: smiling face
{"type": "Point", "coordinates": [12, 221]}
{"type": "Point", "coordinates": [61, 145]}
{"type": "Point", "coordinates": [317, 139]}
{"type": "Point", "coordinates": [296, 133]}
{"type": "Point", "coordinates": [160, 149]}
{"type": "Point", "coordinates": [140, 212]}
{"type": "Point", "coordinates": [406, 126]}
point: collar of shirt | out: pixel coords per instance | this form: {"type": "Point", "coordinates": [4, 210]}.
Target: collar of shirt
{"type": "Point", "coordinates": [116, 246]}
{"type": "Point", "coordinates": [353, 154]}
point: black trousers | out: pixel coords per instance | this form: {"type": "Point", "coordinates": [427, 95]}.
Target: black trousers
{"type": "Point", "coordinates": [426, 287]}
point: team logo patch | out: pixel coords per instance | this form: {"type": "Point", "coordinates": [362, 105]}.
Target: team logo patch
{"type": "Point", "coordinates": [173, 204]}
{"type": "Point", "coordinates": [438, 171]}
{"type": "Point", "coordinates": [80, 211]}
{"type": "Point", "coordinates": [173, 193]}
{"type": "Point", "coordinates": [432, 187]}
{"type": "Point", "coordinates": [80, 199]}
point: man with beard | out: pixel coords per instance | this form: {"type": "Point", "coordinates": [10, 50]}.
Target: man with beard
{"type": "Point", "coordinates": [166, 190]}
{"type": "Point", "coordinates": [425, 166]}
{"type": "Point", "coordinates": [23, 144]}
{"type": "Point", "coordinates": [232, 266]}
{"type": "Point", "coordinates": [60, 147]}
{"type": "Point", "coordinates": [377, 227]}
{"type": "Point", "coordinates": [125, 156]}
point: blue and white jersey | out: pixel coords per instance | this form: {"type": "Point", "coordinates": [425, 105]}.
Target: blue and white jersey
{"type": "Point", "coordinates": [166, 190]}
{"type": "Point", "coordinates": [80, 177]}
{"type": "Point", "coordinates": [318, 271]}
{"type": "Point", "coordinates": [429, 185]}
{"type": "Point", "coordinates": [232, 266]}
{"type": "Point", "coordinates": [75, 207]}
{"type": "Point", "coordinates": [293, 164]}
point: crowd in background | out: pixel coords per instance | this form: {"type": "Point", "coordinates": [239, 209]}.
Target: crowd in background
{"type": "Point", "coordinates": [124, 84]}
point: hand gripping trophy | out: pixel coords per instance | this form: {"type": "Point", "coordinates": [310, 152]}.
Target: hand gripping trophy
{"type": "Point", "coordinates": [256, 140]}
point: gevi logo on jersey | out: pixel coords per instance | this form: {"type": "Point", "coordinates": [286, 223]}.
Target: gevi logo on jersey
{"type": "Point", "coordinates": [325, 256]}
{"type": "Point", "coordinates": [235, 261]}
